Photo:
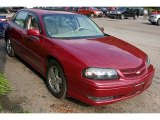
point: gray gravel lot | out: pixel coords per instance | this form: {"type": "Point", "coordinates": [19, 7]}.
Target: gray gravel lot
{"type": "Point", "coordinates": [29, 93]}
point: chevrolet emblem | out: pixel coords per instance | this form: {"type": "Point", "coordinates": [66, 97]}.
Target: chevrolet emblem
{"type": "Point", "coordinates": [138, 72]}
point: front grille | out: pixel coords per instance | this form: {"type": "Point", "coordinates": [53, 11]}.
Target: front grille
{"type": "Point", "coordinates": [134, 73]}
{"type": "Point", "coordinates": [151, 17]}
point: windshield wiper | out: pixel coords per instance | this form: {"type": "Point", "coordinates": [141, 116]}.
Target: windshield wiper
{"type": "Point", "coordinates": [82, 28]}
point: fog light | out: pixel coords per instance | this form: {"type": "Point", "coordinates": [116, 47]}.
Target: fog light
{"type": "Point", "coordinates": [100, 98]}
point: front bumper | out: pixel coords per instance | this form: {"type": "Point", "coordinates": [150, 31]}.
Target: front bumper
{"type": "Point", "coordinates": [114, 15]}
{"type": "Point", "coordinates": [110, 92]}
{"type": "Point", "coordinates": [99, 14]}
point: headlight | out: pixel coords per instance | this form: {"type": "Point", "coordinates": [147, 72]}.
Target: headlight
{"type": "Point", "coordinates": [118, 12]}
{"type": "Point", "coordinates": [148, 62]}
{"type": "Point", "coordinates": [98, 73]}
{"type": "Point", "coordinates": [154, 17]}
{"type": "Point", "coordinates": [97, 12]}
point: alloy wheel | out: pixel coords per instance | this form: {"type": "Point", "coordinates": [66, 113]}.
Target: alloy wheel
{"type": "Point", "coordinates": [9, 47]}
{"type": "Point", "coordinates": [55, 79]}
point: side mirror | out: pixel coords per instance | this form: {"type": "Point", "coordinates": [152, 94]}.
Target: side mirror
{"type": "Point", "coordinates": [33, 32]}
{"type": "Point", "coordinates": [102, 29]}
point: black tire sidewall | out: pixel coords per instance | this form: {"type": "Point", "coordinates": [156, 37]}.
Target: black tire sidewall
{"type": "Point", "coordinates": [62, 93]}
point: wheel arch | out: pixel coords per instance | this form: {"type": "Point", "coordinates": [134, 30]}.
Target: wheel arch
{"type": "Point", "coordinates": [51, 57]}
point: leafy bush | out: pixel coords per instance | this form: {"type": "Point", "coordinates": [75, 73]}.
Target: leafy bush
{"type": "Point", "coordinates": [4, 85]}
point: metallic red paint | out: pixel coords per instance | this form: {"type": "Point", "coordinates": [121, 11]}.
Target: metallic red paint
{"type": "Point", "coordinates": [79, 54]}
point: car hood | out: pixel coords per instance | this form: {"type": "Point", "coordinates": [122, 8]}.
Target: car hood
{"type": "Point", "coordinates": [106, 52]}
{"type": "Point", "coordinates": [155, 15]}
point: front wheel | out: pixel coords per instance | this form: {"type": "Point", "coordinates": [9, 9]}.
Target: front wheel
{"type": "Point", "coordinates": [9, 48]}
{"type": "Point", "coordinates": [92, 15]}
{"type": "Point", "coordinates": [135, 16]}
{"type": "Point", "coordinates": [56, 82]}
{"type": "Point", "coordinates": [122, 16]}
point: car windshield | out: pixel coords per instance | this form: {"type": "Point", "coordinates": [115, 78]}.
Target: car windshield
{"type": "Point", "coordinates": [121, 8]}
{"type": "Point", "coordinates": [93, 8]}
{"type": "Point", "coordinates": [104, 8]}
{"type": "Point", "coordinates": [70, 26]}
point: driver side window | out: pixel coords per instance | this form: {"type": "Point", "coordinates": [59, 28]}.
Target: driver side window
{"type": "Point", "coordinates": [32, 23]}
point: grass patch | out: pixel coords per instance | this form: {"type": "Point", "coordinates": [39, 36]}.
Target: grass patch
{"type": "Point", "coordinates": [4, 85]}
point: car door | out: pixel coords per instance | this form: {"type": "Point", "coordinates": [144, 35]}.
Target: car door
{"type": "Point", "coordinates": [129, 12]}
{"type": "Point", "coordinates": [83, 11]}
{"type": "Point", "coordinates": [17, 32]}
{"type": "Point", "coordinates": [88, 10]}
{"type": "Point", "coordinates": [34, 44]}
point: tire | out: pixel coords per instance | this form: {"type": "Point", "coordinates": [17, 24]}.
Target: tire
{"type": "Point", "coordinates": [158, 22]}
{"type": "Point", "coordinates": [56, 81]}
{"type": "Point", "coordinates": [122, 16]}
{"type": "Point", "coordinates": [9, 48]}
{"type": "Point", "coordinates": [135, 16]}
{"type": "Point", "coordinates": [92, 15]}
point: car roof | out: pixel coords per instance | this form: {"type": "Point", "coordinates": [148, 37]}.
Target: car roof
{"type": "Point", "coordinates": [42, 12]}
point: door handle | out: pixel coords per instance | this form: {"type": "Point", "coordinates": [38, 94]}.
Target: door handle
{"type": "Point", "coordinates": [33, 38]}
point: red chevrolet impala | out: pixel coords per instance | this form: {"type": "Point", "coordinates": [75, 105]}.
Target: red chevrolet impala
{"type": "Point", "coordinates": [76, 58]}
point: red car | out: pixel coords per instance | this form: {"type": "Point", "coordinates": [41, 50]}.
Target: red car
{"type": "Point", "coordinates": [76, 58]}
{"type": "Point", "coordinates": [90, 11]}
{"type": "Point", "coordinates": [155, 12]}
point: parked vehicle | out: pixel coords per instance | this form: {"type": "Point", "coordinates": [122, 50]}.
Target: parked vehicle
{"type": "Point", "coordinates": [141, 10]}
{"type": "Point", "coordinates": [124, 12]}
{"type": "Point", "coordinates": [15, 9]}
{"type": "Point", "coordinates": [51, 8]}
{"type": "Point", "coordinates": [6, 9]}
{"type": "Point", "coordinates": [2, 22]}
{"type": "Point", "coordinates": [90, 11]}
{"type": "Point", "coordinates": [154, 19]}
{"type": "Point", "coordinates": [104, 10]}
{"type": "Point", "coordinates": [54, 8]}
{"type": "Point", "coordinates": [155, 12]}
{"type": "Point", "coordinates": [73, 9]}
{"type": "Point", "coordinates": [77, 58]}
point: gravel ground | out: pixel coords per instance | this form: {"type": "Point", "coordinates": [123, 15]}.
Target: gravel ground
{"type": "Point", "coordinates": [29, 92]}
